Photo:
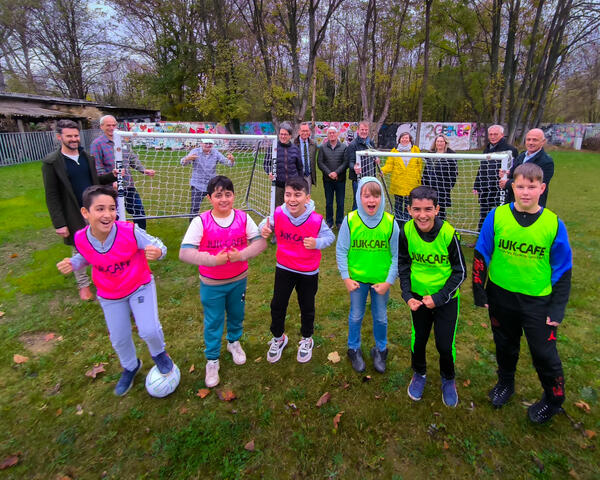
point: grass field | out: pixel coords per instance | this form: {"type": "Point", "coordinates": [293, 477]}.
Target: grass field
{"type": "Point", "coordinates": [63, 424]}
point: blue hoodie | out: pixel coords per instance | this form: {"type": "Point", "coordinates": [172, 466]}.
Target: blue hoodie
{"type": "Point", "coordinates": [324, 239]}
{"type": "Point", "coordinates": [371, 221]}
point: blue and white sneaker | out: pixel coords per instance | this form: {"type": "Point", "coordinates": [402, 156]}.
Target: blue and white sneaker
{"type": "Point", "coordinates": [449, 393]}
{"type": "Point", "coordinates": [277, 346]}
{"type": "Point", "coordinates": [126, 381]}
{"type": "Point", "coordinates": [416, 387]}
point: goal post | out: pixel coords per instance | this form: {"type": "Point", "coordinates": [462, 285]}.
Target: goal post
{"type": "Point", "coordinates": [167, 193]}
{"type": "Point", "coordinates": [455, 176]}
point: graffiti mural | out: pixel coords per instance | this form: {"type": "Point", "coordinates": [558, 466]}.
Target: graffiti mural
{"type": "Point", "coordinates": [257, 128]}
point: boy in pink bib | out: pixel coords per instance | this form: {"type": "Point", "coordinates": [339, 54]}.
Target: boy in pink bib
{"type": "Point", "coordinates": [301, 234]}
{"type": "Point", "coordinates": [118, 253]}
{"type": "Point", "coordinates": [220, 242]}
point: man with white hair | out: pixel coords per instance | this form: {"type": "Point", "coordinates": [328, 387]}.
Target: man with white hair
{"type": "Point", "coordinates": [333, 163]}
{"type": "Point", "coordinates": [103, 151]}
{"type": "Point", "coordinates": [534, 153]}
{"type": "Point", "coordinates": [204, 167]}
{"type": "Point", "coordinates": [486, 182]}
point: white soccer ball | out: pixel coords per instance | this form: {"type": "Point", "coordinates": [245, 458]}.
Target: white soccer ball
{"type": "Point", "coordinates": [159, 385]}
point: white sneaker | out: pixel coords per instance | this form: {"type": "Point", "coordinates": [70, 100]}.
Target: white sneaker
{"type": "Point", "coordinates": [305, 349]}
{"type": "Point", "coordinates": [274, 353]}
{"type": "Point", "coordinates": [237, 352]}
{"type": "Point", "coordinates": [212, 373]}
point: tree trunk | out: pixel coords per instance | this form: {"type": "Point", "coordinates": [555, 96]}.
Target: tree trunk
{"type": "Point", "coordinates": [428, 4]}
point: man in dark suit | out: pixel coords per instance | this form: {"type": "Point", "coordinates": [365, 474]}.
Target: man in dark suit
{"type": "Point", "coordinates": [308, 150]}
{"type": "Point", "coordinates": [486, 183]}
{"type": "Point", "coordinates": [534, 143]}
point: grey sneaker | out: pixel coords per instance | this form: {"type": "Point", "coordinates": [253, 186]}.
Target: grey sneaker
{"type": "Point", "coordinates": [305, 349]}
{"type": "Point", "coordinates": [277, 346]}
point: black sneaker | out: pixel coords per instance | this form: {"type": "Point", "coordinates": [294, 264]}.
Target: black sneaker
{"type": "Point", "coordinates": [542, 411]}
{"type": "Point", "coordinates": [501, 393]}
{"type": "Point", "coordinates": [379, 357]}
{"type": "Point", "coordinates": [356, 359]}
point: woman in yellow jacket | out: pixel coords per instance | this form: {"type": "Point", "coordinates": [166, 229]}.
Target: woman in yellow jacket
{"type": "Point", "coordinates": [405, 175]}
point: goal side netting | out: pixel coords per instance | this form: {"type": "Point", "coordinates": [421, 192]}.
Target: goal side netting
{"type": "Point", "coordinates": [168, 193]}
{"type": "Point", "coordinates": [467, 184]}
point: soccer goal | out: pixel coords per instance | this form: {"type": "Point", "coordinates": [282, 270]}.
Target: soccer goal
{"type": "Point", "coordinates": [467, 183]}
{"type": "Point", "coordinates": [168, 192]}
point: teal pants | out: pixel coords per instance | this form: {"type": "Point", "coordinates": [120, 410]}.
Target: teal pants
{"type": "Point", "coordinates": [216, 300]}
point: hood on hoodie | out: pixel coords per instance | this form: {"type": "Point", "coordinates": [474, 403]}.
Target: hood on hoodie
{"type": "Point", "coordinates": [370, 220]}
{"type": "Point", "coordinates": [310, 207]}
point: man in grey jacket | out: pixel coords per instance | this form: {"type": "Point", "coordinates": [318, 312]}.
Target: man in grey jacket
{"type": "Point", "coordinates": [333, 163]}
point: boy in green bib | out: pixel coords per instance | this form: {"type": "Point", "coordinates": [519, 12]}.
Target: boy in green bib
{"type": "Point", "coordinates": [431, 268]}
{"type": "Point", "coordinates": [523, 251]}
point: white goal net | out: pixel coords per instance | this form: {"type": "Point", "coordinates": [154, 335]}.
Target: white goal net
{"type": "Point", "coordinates": [180, 161]}
{"type": "Point", "coordinates": [467, 184]}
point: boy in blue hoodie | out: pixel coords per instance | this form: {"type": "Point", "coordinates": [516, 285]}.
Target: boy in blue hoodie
{"type": "Point", "coordinates": [367, 258]}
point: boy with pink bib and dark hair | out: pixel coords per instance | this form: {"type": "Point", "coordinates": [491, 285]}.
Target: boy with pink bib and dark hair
{"type": "Point", "coordinates": [301, 234]}
{"type": "Point", "coordinates": [221, 241]}
{"type": "Point", "coordinates": [118, 253]}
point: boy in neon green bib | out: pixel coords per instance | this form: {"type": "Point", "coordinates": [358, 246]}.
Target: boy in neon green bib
{"type": "Point", "coordinates": [431, 268]}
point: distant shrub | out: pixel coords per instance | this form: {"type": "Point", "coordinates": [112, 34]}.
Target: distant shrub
{"type": "Point", "coordinates": [592, 143]}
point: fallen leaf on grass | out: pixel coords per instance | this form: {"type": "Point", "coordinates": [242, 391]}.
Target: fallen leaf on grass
{"type": "Point", "coordinates": [79, 410]}
{"type": "Point", "coordinates": [14, 255]}
{"type": "Point", "coordinates": [226, 395]}
{"type": "Point", "coordinates": [95, 370]}
{"type": "Point", "coordinates": [583, 405]}
{"type": "Point", "coordinates": [378, 397]}
{"type": "Point", "coordinates": [573, 474]}
{"type": "Point", "coordinates": [345, 386]}
{"type": "Point", "coordinates": [484, 325]}
{"type": "Point", "coordinates": [334, 357]}
{"type": "Point", "coordinates": [366, 378]}
{"type": "Point", "coordinates": [203, 392]}
{"type": "Point", "coordinates": [60, 339]}
{"type": "Point", "coordinates": [1, 314]}
{"type": "Point", "coordinates": [324, 399]}
{"type": "Point", "coordinates": [53, 391]}
{"type": "Point", "coordinates": [590, 434]}
{"type": "Point", "coordinates": [336, 420]}
{"type": "Point", "coordinates": [58, 412]}
{"type": "Point", "coordinates": [250, 446]}
{"type": "Point", "coordinates": [20, 358]}
{"type": "Point", "coordinates": [446, 446]}
{"type": "Point", "coordinates": [256, 360]}
{"type": "Point", "coordinates": [9, 461]}
{"type": "Point", "coordinates": [49, 336]}
{"type": "Point", "coordinates": [293, 408]}
{"type": "Point", "coordinates": [466, 383]}
{"type": "Point", "coordinates": [192, 368]}
{"type": "Point", "coordinates": [183, 410]}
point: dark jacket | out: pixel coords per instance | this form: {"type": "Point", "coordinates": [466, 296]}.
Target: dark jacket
{"type": "Point", "coordinates": [63, 207]}
{"type": "Point", "coordinates": [333, 160]}
{"type": "Point", "coordinates": [488, 175]}
{"type": "Point", "coordinates": [312, 155]}
{"type": "Point", "coordinates": [289, 163]}
{"type": "Point", "coordinates": [368, 164]}
{"type": "Point", "coordinates": [541, 159]}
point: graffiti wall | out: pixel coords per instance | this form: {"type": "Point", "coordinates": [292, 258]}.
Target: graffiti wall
{"type": "Point", "coordinates": [257, 128]}
{"type": "Point", "coordinates": [459, 134]}
{"type": "Point", "coordinates": [177, 127]}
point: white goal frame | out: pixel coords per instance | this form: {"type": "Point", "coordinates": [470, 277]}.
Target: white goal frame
{"type": "Point", "coordinates": [246, 203]}
{"type": "Point", "coordinates": [504, 157]}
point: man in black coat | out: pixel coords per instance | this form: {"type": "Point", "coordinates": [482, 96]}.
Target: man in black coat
{"type": "Point", "coordinates": [67, 172]}
{"type": "Point", "coordinates": [486, 182]}
{"type": "Point", "coordinates": [309, 153]}
{"type": "Point", "coordinates": [360, 142]}
{"type": "Point", "coordinates": [534, 143]}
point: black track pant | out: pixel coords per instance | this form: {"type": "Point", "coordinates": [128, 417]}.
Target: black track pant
{"type": "Point", "coordinates": [444, 320]}
{"type": "Point", "coordinates": [507, 327]}
{"type": "Point", "coordinates": [306, 289]}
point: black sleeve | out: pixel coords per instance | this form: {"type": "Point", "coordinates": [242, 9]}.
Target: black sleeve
{"type": "Point", "coordinates": [457, 277]}
{"type": "Point", "coordinates": [477, 184]}
{"type": "Point", "coordinates": [479, 279]}
{"type": "Point", "coordinates": [560, 295]}
{"type": "Point", "coordinates": [404, 262]}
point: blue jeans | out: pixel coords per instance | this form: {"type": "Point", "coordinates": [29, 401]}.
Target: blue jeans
{"type": "Point", "coordinates": [339, 190]}
{"type": "Point", "coordinates": [135, 207]}
{"type": "Point", "coordinates": [358, 304]}
{"type": "Point", "coordinates": [216, 300]}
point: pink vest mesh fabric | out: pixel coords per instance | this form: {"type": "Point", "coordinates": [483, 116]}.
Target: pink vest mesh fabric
{"type": "Point", "coordinates": [120, 271]}
{"type": "Point", "coordinates": [216, 238]}
{"type": "Point", "coordinates": [291, 252]}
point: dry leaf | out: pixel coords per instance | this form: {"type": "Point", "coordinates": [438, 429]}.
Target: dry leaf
{"type": "Point", "coordinates": [583, 405]}
{"type": "Point", "coordinates": [466, 383]}
{"type": "Point", "coordinates": [336, 420]}
{"type": "Point", "coordinates": [446, 446]}
{"type": "Point", "coordinates": [345, 386]}
{"type": "Point", "coordinates": [203, 392]}
{"type": "Point", "coordinates": [590, 434]}
{"type": "Point", "coordinates": [60, 339]}
{"type": "Point", "coordinates": [378, 397]}
{"type": "Point", "coordinates": [256, 360]}
{"type": "Point", "coordinates": [192, 368]}
{"type": "Point", "coordinates": [64, 477]}
{"type": "Point", "coordinates": [324, 399]}
{"type": "Point", "coordinates": [9, 461]}
{"type": "Point", "coordinates": [95, 370]}
{"type": "Point", "coordinates": [366, 378]}
{"type": "Point", "coordinates": [573, 474]}
{"type": "Point", "coordinates": [334, 357]}
{"type": "Point", "coordinates": [54, 390]}
{"type": "Point", "coordinates": [1, 314]}
{"type": "Point", "coordinates": [49, 336]}
{"type": "Point", "coordinates": [226, 395]}
{"type": "Point", "coordinates": [484, 325]}
{"type": "Point", "coordinates": [79, 410]}
{"type": "Point", "coordinates": [250, 446]}
{"type": "Point", "coordinates": [20, 358]}
{"type": "Point", "coordinates": [59, 412]}
{"type": "Point", "coordinates": [183, 410]}
{"type": "Point", "coordinates": [14, 255]}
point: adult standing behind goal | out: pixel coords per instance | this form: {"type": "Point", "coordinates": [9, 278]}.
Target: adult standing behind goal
{"type": "Point", "coordinates": [204, 168]}
{"type": "Point", "coordinates": [441, 174]}
{"type": "Point", "coordinates": [367, 167]}
{"type": "Point", "coordinates": [103, 151]}
{"type": "Point", "coordinates": [67, 173]}
{"type": "Point", "coordinates": [309, 153]}
{"type": "Point", "coordinates": [486, 183]}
